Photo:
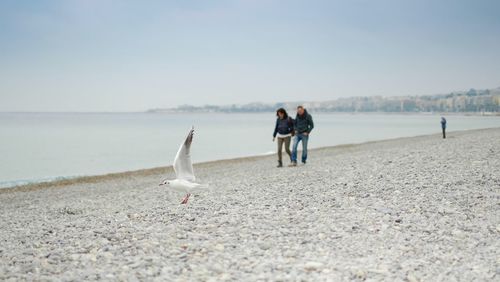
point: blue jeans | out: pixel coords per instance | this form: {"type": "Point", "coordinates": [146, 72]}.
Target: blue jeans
{"type": "Point", "coordinates": [300, 137]}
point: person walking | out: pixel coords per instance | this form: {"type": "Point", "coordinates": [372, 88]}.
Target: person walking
{"type": "Point", "coordinates": [283, 130]}
{"type": "Point", "coordinates": [303, 126]}
{"type": "Point", "coordinates": [443, 126]}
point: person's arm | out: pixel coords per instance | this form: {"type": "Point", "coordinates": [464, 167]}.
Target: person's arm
{"type": "Point", "coordinates": [311, 124]}
{"type": "Point", "coordinates": [275, 129]}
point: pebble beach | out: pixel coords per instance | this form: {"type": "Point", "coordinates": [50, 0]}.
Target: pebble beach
{"type": "Point", "coordinates": [410, 209]}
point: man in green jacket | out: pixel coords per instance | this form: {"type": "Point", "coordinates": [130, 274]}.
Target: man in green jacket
{"type": "Point", "coordinates": [303, 125]}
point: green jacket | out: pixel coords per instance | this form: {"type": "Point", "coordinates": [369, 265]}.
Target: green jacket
{"type": "Point", "coordinates": [304, 123]}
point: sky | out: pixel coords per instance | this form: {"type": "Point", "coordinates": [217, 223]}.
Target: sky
{"type": "Point", "coordinates": [103, 55]}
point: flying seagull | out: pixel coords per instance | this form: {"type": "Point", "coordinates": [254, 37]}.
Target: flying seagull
{"type": "Point", "coordinates": [183, 168]}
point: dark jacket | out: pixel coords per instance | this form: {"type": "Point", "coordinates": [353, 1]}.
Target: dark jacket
{"type": "Point", "coordinates": [443, 123]}
{"type": "Point", "coordinates": [304, 123]}
{"type": "Point", "coordinates": [283, 126]}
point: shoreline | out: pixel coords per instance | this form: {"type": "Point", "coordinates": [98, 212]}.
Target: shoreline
{"type": "Point", "coordinates": [483, 114]}
{"type": "Point", "coordinates": [89, 179]}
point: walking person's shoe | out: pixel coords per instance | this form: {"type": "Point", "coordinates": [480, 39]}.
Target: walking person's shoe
{"type": "Point", "coordinates": [280, 164]}
{"type": "Point", "coordinates": [304, 162]}
{"type": "Point", "coordinates": [293, 164]}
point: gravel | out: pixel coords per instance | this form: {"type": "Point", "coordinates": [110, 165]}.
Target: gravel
{"type": "Point", "coordinates": [411, 209]}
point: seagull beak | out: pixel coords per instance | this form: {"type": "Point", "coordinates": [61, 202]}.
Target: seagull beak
{"type": "Point", "coordinates": [160, 184]}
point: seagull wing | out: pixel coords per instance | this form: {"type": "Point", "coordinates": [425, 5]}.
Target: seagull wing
{"type": "Point", "coordinates": [182, 164]}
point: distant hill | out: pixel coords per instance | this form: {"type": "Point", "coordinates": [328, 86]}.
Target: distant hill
{"type": "Point", "coordinates": [473, 100]}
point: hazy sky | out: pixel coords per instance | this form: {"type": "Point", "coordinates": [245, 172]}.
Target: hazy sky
{"type": "Point", "coordinates": [133, 55]}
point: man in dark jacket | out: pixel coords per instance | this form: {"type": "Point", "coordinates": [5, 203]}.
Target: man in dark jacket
{"type": "Point", "coordinates": [303, 126]}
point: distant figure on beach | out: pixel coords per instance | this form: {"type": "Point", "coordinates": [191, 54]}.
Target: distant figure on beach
{"type": "Point", "coordinates": [443, 126]}
{"type": "Point", "coordinates": [303, 126]}
{"type": "Point", "coordinates": [283, 130]}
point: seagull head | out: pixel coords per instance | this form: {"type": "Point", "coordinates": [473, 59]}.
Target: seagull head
{"type": "Point", "coordinates": [165, 182]}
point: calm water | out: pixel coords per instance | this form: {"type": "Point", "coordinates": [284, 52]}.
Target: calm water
{"type": "Point", "coordinates": [37, 147]}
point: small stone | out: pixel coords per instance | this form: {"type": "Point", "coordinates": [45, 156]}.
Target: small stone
{"type": "Point", "coordinates": [133, 215]}
{"type": "Point", "coordinates": [381, 270]}
{"type": "Point", "coordinates": [360, 274]}
{"type": "Point", "coordinates": [326, 270]}
{"type": "Point", "coordinates": [411, 278]}
{"type": "Point", "coordinates": [74, 256]}
{"type": "Point", "coordinates": [264, 245]}
{"type": "Point", "coordinates": [313, 266]}
{"type": "Point", "coordinates": [458, 233]}
{"type": "Point", "coordinates": [219, 247]}
{"type": "Point", "coordinates": [216, 267]}
{"type": "Point", "coordinates": [107, 255]}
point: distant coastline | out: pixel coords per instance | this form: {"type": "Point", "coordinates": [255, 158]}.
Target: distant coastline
{"type": "Point", "coordinates": [483, 102]}
{"type": "Point", "coordinates": [176, 112]}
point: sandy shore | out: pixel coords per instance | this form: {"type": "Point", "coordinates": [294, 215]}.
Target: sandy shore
{"type": "Point", "coordinates": [409, 209]}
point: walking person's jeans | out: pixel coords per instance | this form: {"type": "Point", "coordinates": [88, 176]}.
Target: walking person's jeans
{"type": "Point", "coordinates": [298, 138]}
{"type": "Point", "coordinates": [283, 141]}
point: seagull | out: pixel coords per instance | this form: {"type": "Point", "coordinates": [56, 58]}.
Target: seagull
{"type": "Point", "coordinates": [183, 168]}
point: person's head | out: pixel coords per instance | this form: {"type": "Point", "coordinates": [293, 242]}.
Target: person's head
{"type": "Point", "coordinates": [281, 113]}
{"type": "Point", "coordinates": [300, 110]}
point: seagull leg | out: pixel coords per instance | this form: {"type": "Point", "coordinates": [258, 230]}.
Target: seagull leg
{"type": "Point", "coordinates": [185, 200]}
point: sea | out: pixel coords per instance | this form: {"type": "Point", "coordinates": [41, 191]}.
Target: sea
{"type": "Point", "coordinates": [38, 147]}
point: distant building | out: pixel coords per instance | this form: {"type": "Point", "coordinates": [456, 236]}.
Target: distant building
{"type": "Point", "coordinates": [467, 101]}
